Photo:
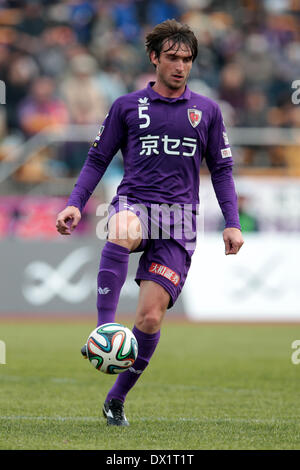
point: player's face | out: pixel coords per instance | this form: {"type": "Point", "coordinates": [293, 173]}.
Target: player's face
{"type": "Point", "coordinates": [173, 66]}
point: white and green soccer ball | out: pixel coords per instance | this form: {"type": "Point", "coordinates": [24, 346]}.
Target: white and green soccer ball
{"type": "Point", "coordinates": [112, 348]}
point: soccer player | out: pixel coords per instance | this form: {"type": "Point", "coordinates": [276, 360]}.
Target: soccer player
{"type": "Point", "coordinates": [164, 132]}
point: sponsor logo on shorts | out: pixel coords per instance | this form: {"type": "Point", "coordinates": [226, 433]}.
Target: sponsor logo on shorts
{"type": "Point", "coordinates": [166, 272]}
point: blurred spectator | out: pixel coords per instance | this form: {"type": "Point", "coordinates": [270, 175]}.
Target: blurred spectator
{"type": "Point", "coordinates": [81, 18]}
{"type": "Point", "coordinates": [125, 16]}
{"type": "Point", "coordinates": [4, 61]}
{"type": "Point", "coordinates": [255, 113]}
{"type": "Point", "coordinates": [81, 91]}
{"type": "Point", "coordinates": [86, 104]}
{"type": "Point", "coordinates": [3, 128]}
{"type": "Point", "coordinates": [286, 114]}
{"type": "Point", "coordinates": [111, 83]}
{"type": "Point", "coordinates": [256, 61]}
{"type": "Point", "coordinates": [160, 10]}
{"type": "Point", "coordinates": [21, 72]}
{"type": "Point", "coordinates": [41, 109]}
{"type": "Point", "coordinates": [248, 220]}
{"type": "Point", "coordinates": [35, 170]}
{"type": "Point", "coordinates": [51, 56]}
{"type": "Point", "coordinates": [33, 22]}
{"type": "Point", "coordinates": [232, 86]}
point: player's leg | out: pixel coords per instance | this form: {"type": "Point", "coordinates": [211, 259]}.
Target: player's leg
{"type": "Point", "coordinates": [162, 271]}
{"type": "Point", "coordinates": [152, 305]}
{"type": "Point", "coordinates": [124, 236]}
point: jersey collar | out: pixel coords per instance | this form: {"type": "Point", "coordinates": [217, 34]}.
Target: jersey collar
{"type": "Point", "coordinates": [186, 95]}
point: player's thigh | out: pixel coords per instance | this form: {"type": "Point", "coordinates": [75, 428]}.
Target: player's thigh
{"type": "Point", "coordinates": [125, 226]}
{"type": "Point", "coordinates": [166, 263]}
{"type": "Point", "coordinates": [152, 305]}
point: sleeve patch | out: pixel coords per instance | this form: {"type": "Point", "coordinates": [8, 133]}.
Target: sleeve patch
{"type": "Point", "coordinates": [226, 152]}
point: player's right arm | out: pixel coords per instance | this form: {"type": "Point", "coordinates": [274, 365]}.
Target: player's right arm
{"type": "Point", "coordinates": [67, 220]}
{"type": "Point", "coordinates": [102, 151]}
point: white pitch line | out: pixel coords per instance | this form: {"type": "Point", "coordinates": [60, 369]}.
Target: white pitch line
{"type": "Point", "coordinates": [154, 419]}
{"type": "Point", "coordinates": [50, 418]}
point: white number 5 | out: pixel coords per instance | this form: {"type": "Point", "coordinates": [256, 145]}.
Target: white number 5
{"type": "Point", "coordinates": [145, 116]}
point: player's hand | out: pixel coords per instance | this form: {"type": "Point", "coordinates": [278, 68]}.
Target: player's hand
{"type": "Point", "coordinates": [67, 220]}
{"type": "Point", "coordinates": [233, 240]}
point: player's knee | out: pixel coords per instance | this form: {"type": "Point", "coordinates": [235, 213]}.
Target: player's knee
{"type": "Point", "coordinates": [119, 233]}
{"type": "Point", "coordinates": [125, 230]}
{"type": "Point", "coordinates": [150, 321]}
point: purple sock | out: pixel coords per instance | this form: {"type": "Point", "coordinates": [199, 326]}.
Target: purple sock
{"type": "Point", "coordinates": [111, 277]}
{"type": "Point", "coordinates": [126, 380]}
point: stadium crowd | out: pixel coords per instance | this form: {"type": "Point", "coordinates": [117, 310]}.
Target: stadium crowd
{"type": "Point", "coordinates": [65, 62]}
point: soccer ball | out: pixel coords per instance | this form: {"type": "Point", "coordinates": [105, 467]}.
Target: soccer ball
{"type": "Point", "coordinates": [112, 348]}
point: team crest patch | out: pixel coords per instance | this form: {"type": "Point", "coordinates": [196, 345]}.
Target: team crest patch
{"type": "Point", "coordinates": [194, 116]}
{"type": "Point", "coordinates": [166, 272]}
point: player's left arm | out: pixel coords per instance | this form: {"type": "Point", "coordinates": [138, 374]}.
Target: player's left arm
{"type": "Point", "coordinates": [220, 163]}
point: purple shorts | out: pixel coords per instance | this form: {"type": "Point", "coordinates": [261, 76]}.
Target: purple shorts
{"type": "Point", "coordinates": [164, 260]}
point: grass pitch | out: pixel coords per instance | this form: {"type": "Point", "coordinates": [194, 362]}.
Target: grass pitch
{"type": "Point", "coordinates": [208, 387]}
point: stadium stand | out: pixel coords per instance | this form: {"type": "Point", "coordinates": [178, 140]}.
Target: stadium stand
{"type": "Point", "coordinates": [64, 62]}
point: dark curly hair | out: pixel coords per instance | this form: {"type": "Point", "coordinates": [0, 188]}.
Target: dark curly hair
{"type": "Point", "coordinates": [171, 30]}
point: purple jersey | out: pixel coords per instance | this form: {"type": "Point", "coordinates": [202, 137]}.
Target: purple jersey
{"type": "Point", "coordinates": [163, 141]}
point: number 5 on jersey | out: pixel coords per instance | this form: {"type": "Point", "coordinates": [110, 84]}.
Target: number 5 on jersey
{"type": "Point", "coordinates": [143, 110]}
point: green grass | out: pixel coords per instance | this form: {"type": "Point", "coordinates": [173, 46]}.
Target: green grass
{"type": "Point", "coordinates": [208, 387]}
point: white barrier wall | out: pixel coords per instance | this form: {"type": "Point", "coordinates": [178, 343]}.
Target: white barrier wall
{"type": "Point", "coordinates": [59, 278]}
{"type": "Point", "coordinates": [261, 283]}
